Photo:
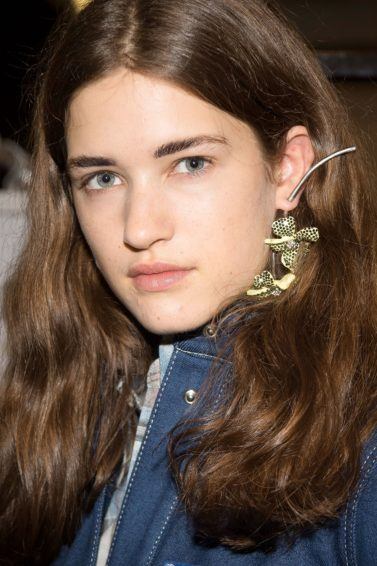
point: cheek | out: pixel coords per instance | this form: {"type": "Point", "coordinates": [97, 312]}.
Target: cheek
{"type": "Point", "coordinates": [99, 229]}
{"type": "Point", "coordinates": [236, 233]}
{"type": "Point", "coordinates": [240, 220]}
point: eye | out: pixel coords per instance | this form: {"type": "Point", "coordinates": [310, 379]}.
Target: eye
{"type": "Point", "coordinates": [192, 165]}
{"type": "Point", "coordinates": [102, 180]}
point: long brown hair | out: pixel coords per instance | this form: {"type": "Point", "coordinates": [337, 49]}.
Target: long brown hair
{"type": "Point", "coordinates": [281, 452]}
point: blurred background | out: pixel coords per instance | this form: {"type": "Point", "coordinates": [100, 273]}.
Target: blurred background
{"type": "Point", "coordinates": [344, 33]}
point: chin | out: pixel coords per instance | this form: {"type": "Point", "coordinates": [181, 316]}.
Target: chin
{"type": "Point", "coordinates": [162, 327]}
{"type": "Point", "coordinates": [172, 321]}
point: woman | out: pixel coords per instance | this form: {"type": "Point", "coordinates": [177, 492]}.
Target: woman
{"type": "Point", "coordinates": [169, 137]}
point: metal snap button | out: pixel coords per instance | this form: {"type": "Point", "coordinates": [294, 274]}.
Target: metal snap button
{"type": "Point", "coordinates": [209, 330]}
{"type": "Point", "coordinates": [190, 396]}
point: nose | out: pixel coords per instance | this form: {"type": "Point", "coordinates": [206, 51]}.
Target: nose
{"type": "Point", "coordinates": [147, 219]}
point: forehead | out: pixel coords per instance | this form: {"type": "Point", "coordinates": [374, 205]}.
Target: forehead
{"type": "Point", "coordinates": [130, 107]}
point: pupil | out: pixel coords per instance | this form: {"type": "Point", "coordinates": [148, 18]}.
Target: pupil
{"type": "Point", "coordinates": [106, 178]}
{"type": "Point", "coordinates": [194, 162]}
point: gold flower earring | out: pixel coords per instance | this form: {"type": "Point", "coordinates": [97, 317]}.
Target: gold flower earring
{"type": "Point", "coordinates": [289, 243]}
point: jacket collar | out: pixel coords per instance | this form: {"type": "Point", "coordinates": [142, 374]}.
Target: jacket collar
{"type": "Point", "coordinates": [206, 339]}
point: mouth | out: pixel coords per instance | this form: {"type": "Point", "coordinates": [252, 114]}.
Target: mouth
{"type": "Point", "coordinates": [158, 276]}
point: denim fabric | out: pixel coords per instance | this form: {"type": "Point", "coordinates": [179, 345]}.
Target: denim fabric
{"type": "Point", "coordinates": [152, 527]}
{"type": "Point", "coordinates": [165, 353]}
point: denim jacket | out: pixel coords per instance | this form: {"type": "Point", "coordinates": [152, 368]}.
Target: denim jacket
{"type": "Point", "coordinates": [154, 530]}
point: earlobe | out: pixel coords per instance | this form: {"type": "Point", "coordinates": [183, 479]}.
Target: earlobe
{"type": "Point", "coordinates": [297, 159]}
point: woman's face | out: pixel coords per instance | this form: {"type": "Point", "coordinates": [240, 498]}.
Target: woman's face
{"type": "Point", "coordinates": [172, 196]}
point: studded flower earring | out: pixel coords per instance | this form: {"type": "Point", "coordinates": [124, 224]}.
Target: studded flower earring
{"type": "Point", "coordinates": [290, 244]}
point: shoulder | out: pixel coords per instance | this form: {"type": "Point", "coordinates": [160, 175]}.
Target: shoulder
{"type": "Point", "coordinates": [360, 516]}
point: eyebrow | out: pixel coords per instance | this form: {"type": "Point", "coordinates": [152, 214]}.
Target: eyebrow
{"type": "Point", "coordinates": [169, 148]}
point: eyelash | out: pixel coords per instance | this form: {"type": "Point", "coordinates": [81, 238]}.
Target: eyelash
{"type": "Point", "coordinates": [84, 183]}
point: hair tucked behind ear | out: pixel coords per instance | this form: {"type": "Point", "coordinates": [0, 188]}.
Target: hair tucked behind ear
{"type": "Point", "coordinates": [281, 453]}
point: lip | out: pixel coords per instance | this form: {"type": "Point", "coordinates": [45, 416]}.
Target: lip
{"type": "Point", "coordinates": [151, 268]}
{"type": "Point", "coordinates": [157, 276]}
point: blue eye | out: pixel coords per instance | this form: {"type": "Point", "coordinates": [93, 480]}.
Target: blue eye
{"type": "Point", "coordinates": [193, 165]}
{"type": "Point", "coordinates": [103, 180]}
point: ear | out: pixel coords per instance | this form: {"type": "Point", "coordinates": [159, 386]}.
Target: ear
{"type": "Point", "coordinates": [298, 157]}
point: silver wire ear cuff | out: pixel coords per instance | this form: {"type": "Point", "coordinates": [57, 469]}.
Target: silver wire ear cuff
{"type": "Point", "coordinates": [291, 244]}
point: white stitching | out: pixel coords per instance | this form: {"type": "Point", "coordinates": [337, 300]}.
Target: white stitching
{"type": "Point", "coordinates": [150, 423]}
{"type": "Point", "coordinates": [355, 498]}
{"type": "Point", "coordinates": [200, 355]}
{"type": "Point", "coordinates": [358, 494]}
{"type": "Point", "coordinates": [155, 544]}
{"type": "Point", "coordinates": [97, 531]}
{"type": "Point", "coordinates": [221, 390]}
